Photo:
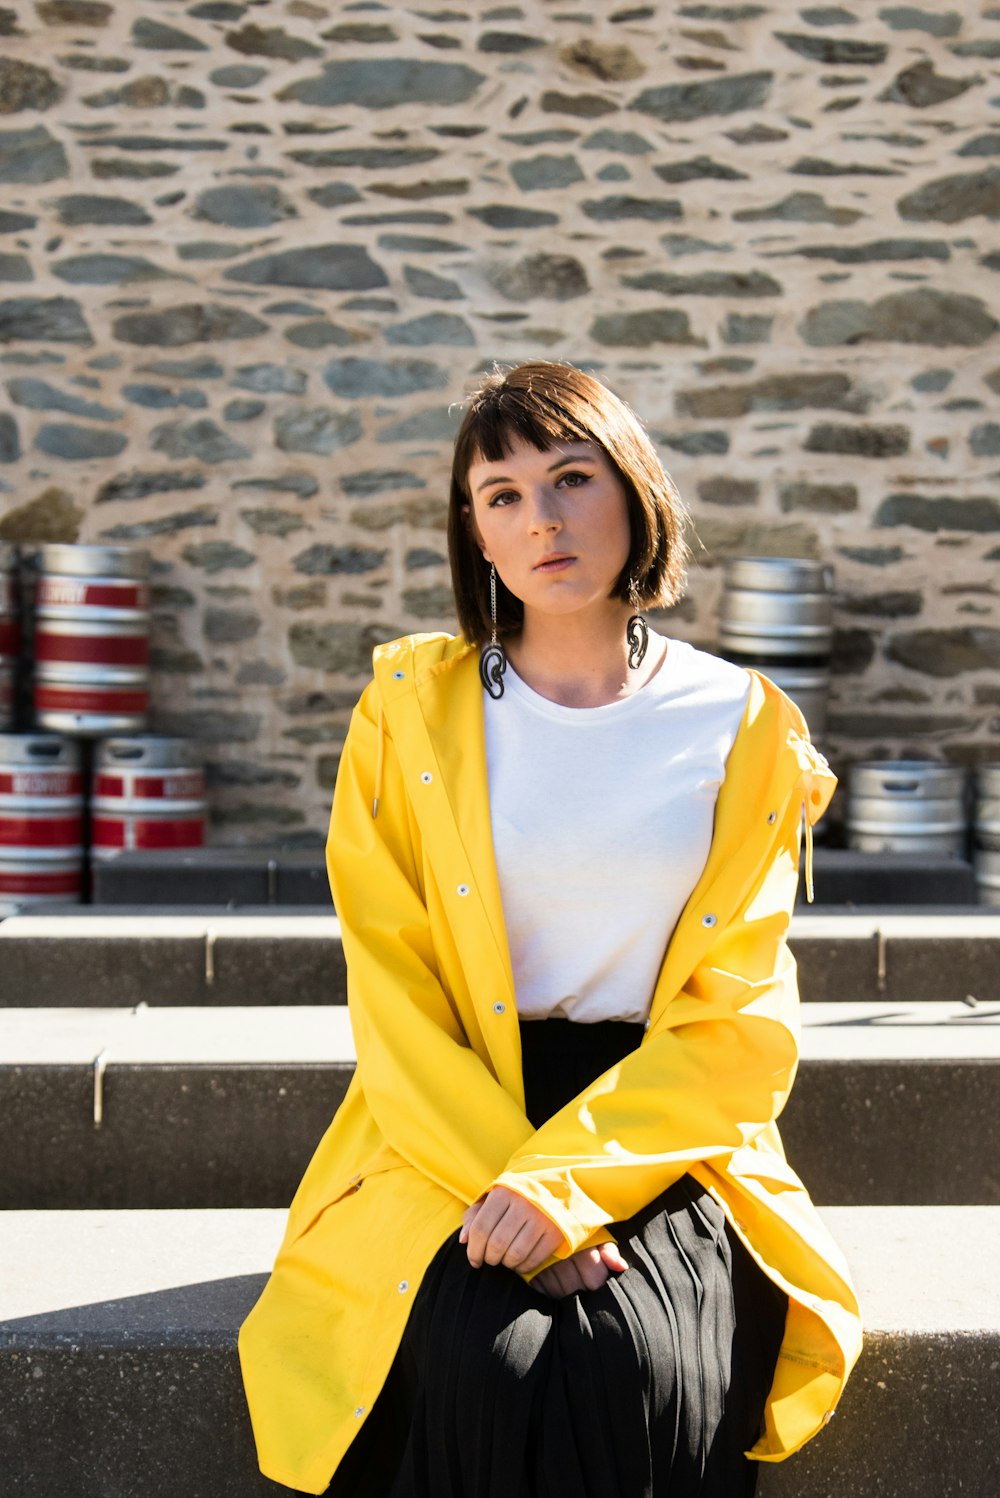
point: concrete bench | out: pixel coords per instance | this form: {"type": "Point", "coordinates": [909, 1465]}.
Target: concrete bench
{"type": "Point", "coordinates": [119, 1374]}
{"type": "Point", "coordinates": [222, 1107]}
{"type": "Point", "coordinates": [101, 956]}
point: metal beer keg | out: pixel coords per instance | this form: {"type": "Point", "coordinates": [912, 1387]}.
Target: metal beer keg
{"type": "Point", "coordinates": [41, 819]}
{"type": "Point", "coordinates": [148, 792]}
{"type": "Point", "coordinates": [10, 633]}
{"type": "Point", "coordinates": [906, 806]}
{"type": "Point", "coordinates": [986, 832]}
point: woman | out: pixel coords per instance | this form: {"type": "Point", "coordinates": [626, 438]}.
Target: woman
{"type": "Point", "coordinates": [550, 1243]}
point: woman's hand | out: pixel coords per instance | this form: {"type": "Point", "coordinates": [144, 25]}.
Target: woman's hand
{"type": "Point", "coordinates": [588, 1269]}
{"type": "Point", "coordinates": [504, 1228]}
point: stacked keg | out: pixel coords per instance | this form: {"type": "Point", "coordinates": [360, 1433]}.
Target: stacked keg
{"type": "Point", "coordinates": [986, 833]}
{"type": "Point", "coordinates": [41, 819]}
{"type": "Point", "coordinates": [92, 639]}
{"type": "Point", "coordinates": [906, 806]}
{"type": "Point", "coordinates": [10, 634]}
{"type": "Point", "coordinates": [147, 792]}
{"type": "Point", "coordinates": [776, 614]}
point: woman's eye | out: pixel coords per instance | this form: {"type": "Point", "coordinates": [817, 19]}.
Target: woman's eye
{"type": "Point", "coordinates": [505, 497]}
{"type": "Point", "coordinates": [573, 478]}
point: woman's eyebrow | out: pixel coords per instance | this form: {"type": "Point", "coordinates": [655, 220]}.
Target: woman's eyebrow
{"type": "Point", "coordinates": [572, 457]}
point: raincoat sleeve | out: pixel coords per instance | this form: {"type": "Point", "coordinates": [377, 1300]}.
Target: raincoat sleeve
{"type": "Point", "coordinates": [713, 1070]}
{"type": "Point", "coordinates": [434, 1100]}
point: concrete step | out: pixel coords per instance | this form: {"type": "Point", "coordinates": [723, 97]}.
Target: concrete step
{"type": "Point", "coordinates": [222, 1107]}
{"type": "Point", "coordinates": [119, 1373]}
{"type": "Point", "coordinates": [101, 956]}
{"type": "Point", "coordinates": [278, 876]}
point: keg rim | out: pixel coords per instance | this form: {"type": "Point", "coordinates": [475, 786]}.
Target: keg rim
{"type": "Point", "coordinates": [157, 751]}
{"type": "Point", "coordinates": [80, 560]}
{"type": "Point", "coordinates": [12, 744]}
{"type": "Point", "coordinates": [778, 574]}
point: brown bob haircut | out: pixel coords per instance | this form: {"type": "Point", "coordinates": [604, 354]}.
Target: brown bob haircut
{"type": "Point", "coordinates": [544, 403]}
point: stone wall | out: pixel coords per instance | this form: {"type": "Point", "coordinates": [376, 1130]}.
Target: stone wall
{"type": "Point", "coordinates": [251, 253]}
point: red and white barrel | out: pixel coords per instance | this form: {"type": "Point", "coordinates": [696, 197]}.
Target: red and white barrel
{"type": "Point", "coordinates": [92, 639]}
{"type": "Point", "coordinates": [41, 819]}
{"type": "Point", "coordinates": [148, 792]}
{"type": "Point", "coordinates": [10, 632]}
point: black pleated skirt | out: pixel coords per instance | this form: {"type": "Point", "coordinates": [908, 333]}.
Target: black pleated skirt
{"type": "Point", "coordinates": [651, 1387]}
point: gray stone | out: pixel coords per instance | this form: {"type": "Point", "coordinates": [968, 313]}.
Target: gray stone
{"type": "Point", "coordinates": [137, 485]}
{"type": "Point", "coordinates": [16, 223]}
{"type": "Point", "coordinates": [946, 652]}
{"type": "Point", "coordinates": [698, 167]}
{"type": "Point", "coordinates": [335, 645]}
{"type": "Point", "coordinates": [210, 726]}
{"type": "Point", "coordinates": [270, 379]}
{"type": "Point", "coordinates": [920, 86]}
{"type": "Point", "coordinates": [15, 268]}
{"type": "Point", "coordinates": [438, 424]}
{"type": "Point", "coordinates": [39, 395]}
{"type": "Point", "coordinates": [315, 429]}
{"type": "Point", "coordinates": [417, 244]}
{"type": "Point", "coordinates": [92, 208]}
{"type": "Point", "coordinates": [327, 561]}
{"type": "Point", "coordinates": [500, 216]}
{"type": "Point", "coordinates": [229, 626]}
{"type": "Point", "coordinates": [435, 327]}
{"type": "Point", "coordinates": [879, 249]}
{"type": "Point", "coordinates": [677, 245]}
{"type": "Point", "coordinates": [164, 525]}
{"type": "Point", "coordinates": [10, 442]}
{"type": "Point", "coordinates": [23, 85]}
{"type": "Point", "coordinates": [507, 42]}
{"type": "Point", "coordinates": [419, 557]}
{"type": "Point", "coordinates": [73, 12]}
{"type": "Point", "coordinates": [982, 145]}
{"type": "Point", "coordinates": [553, 277]}
{"type": "Point", "coordinates": [696, 444]}
{"type": "Point", "coordinates": [984, 440]}
{"type": "Point", "coordinates": [581, 106]}
{"type": "Point", "coordinates": [371, 33]}
{"type": "Point", "coordinates": [162, 38]}
{"type": "Point", "coordinates": [914, 18]}
{"type": "Point", "coordinates": [834, 51]}
{"type": "Point", "coordinates": [259, 674]}
{"type": "Point", "coordinates": [327, 267]}
{"type": "Point", "coordinates": [100, 269]}
{"type": "Point", "coordinates": [675, 102]}
{"type": "Point", "coordinates": [301, 484]}
{"type": "Point", "coordinates": [42, 319]}
{"type": "Point", "coordinates": [161, 398]}
{"type": "Point", "coordinates": [746, 327]}
{"type": "Point", "coordinates": [852, 652]}
{"type": "Point", "coordinates": [107, 167]}
{"type": "Point", "coordinates": [243, 409]}
{"type": "Point", "coordinates": [621, 206]}
{"type": "Point", "coordinates": [207, 249]}
{"type": "Point", "coordinates": [428, 514]}
{"type": "Point", "coordinates": [821, 166]}
{"type": "Point", "coordinates": [859, 441]}
{"type": "Point", "coordinates": [924, 316]}
{"type": "Point", "coordinates": [308, 596]}
{"type": "Point", "coordinates": [32, 155]}
{"type": "Point", "coordinates": [319, 333]}
{"type": "Point", "coordinates": [546, 173]}
{"type": "Point", "coordinates": [200, 438]}
{"type": "Point", "coordinates": [177, 662]}
{"type": "Point", "coordinates": [819, 499]}
{"type": "Point", "coordinates": [828, 15]}
{"type": "Point", "coordinates": [385, 83]}
{"type": "Point", "coordinates": [783, 392]}
{"type": "Point", "coordinates": [379, 481]}
{"type": "Point", "coordinates": [429, 603]}
{"type": "Point", "coordinates": [238, 75]}
{"type": "Point", "coordinates": [642, 329]}
{"type": "Point", "coordinates": [246, 206]}
{"type": "Point", "coordinates": [185, 369]}
{"type": "Point", "coordinates": [424, 283]}
{"type": "Point", "coordinates": [933, 380]}
{"type": "Point", "coordinates": [940, 513]}
{"type": "Point", "coordinates": [608, 62]}
{"type": "Point", "coordinates": [873, 556]}
{"type": "Point", "coordinates": [626, 142]}
{"type": "Point", "coordinates": [985, 47]}
{"type": "Point", "coordinates": [218, 556]}
{"type": "Point", "coordinates": [271, 522]}
{"type": "Point", "coordinates": [898, 604]}
{"type": "Point", "coordinates": [273, 41]}
{"type": "Point", "coordinates": [193, 322]}
{"type": "Point", "coordinates": [801, 208]}
{"type": "Point", "coordinates": [369, 158]}
{"type": "Point", "coordinates": [723, 490]}
{"type": "Point", "coordinates": [753, 283]}
{"type": "Point", "coordinates": [62, 439]}
{"type": "Point", "coordinates": [952, 199]}
{"type": "Point", "coordinates": [353, 377]}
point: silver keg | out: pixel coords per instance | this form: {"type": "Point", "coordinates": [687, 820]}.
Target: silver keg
{"type": "Point", "coordinates": [41, 819]}
{"type": "Point", "coordinates": [148, 792]}
{"type": "Point", "coordinates": [776, 614]}
{"type": "Point", "coordinates": [986, 833]}
{"type": "Point", "coordinates": [92, 639]}
{"type": "Point", "coordinates": [906, 806]}
{"type": "Point", "coordinates": [987, 866]}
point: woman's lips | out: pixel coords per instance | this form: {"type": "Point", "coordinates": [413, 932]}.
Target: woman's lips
{"type": "Point", "coordinates": [555, 564]}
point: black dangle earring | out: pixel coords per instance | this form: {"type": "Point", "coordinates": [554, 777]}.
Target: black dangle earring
{"type": "Point", "coordinates": [637, 635]}
{"type": "Point", "coordinates": [493, 661]}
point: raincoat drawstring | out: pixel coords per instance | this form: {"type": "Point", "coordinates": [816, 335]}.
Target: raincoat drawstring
{"type": "Point", "coordinates": [807, 827]}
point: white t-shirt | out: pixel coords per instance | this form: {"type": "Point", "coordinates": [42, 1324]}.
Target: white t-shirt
{"type": "Point", "coordinates": [602, 821]}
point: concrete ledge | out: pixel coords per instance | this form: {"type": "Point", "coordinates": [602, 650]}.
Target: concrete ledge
{"type": "Point", "coordinates": [223, 1107]}
{"type": "Point", "coordinates": [100, 956]}
{"type": "Point", "coordinates": [119, 1376]}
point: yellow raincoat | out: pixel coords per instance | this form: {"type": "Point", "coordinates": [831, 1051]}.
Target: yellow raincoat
{"type": "Point", "coordinates": [435, 1113]}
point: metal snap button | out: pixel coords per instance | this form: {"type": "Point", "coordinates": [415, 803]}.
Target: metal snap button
{"type": "Point", "coordinates": [426, 777]}
{"type": "Point", "coordinates": [709, 920]}
{"type": "Point", "coordinates": [403, 1286]}
{"type": "Point", "coordinates": [463, 889]}
{"type": "Point", "coordinates": [398, 675]}
{"type": "Point", "coordinates": [772, 817]}
{"type": "Point", "coordinates": [359, 1412]}
{"type": "Point", "coordinates": [499, 1007]}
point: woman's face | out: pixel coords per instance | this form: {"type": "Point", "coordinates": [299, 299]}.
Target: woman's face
{"type": "Point", "coordinates": [555, 524]}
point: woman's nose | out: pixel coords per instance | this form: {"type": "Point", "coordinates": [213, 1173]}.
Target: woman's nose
{"type": "Point", "coordinates": [544, 512]}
